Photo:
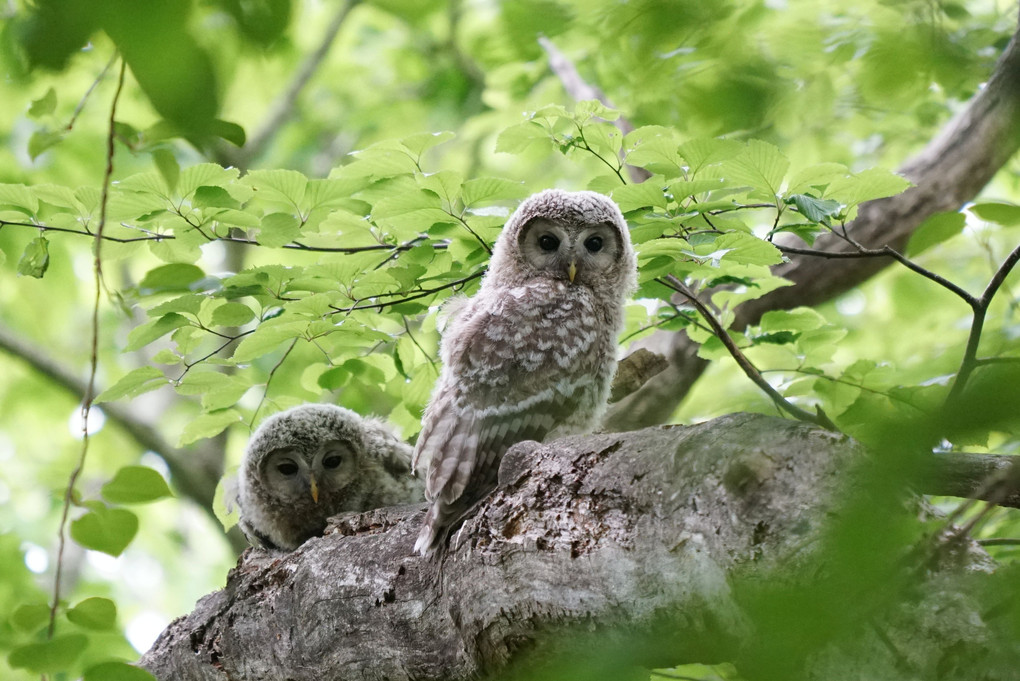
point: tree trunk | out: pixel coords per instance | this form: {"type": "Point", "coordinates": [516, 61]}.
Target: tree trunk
{"type": "Point", "coordinates": [624, 535]}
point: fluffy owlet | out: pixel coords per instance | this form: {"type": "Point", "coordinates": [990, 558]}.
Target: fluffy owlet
{"type": "Point", "coordinates": [532, 354]}
{"type": "Point", "coordinates": [313, 461]}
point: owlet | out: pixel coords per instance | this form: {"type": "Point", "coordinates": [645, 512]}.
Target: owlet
{"type": "Point", "coordinates": [531, 356]}
{"type": "Point", "coordinates": [313, 461]}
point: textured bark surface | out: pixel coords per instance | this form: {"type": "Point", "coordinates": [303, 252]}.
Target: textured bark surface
{"type": "Point", "coordinates": [614, 532]}
{"type": "Point", "coordinates": [948, 173]}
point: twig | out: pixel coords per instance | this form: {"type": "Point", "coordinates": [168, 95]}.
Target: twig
{"type": "Point", "coordinates": [745, 364]}
{"type": "Point", "coordinates": [884, 252]}
{"type": "Point", "coordinates": [94, 358]}
{"type": "Point", "coordinates": [580, 90]}
{"type": "Point", "coordinates": [294, 245]}
{"type": "Point", "coordinates": [81, 103]}
{"type": "Point", "coordinates": [269, 379]}
{"type": "Point", "coordinates": [405, 296]}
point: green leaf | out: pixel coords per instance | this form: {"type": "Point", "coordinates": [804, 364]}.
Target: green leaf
{"type": "Point", "coordinates": [136, 485]}
{"type": "Point", "coordinates": [278, 229]}
{"type": "Point", "coordinates": [517, 138]}
{"type": "Point", "coordinates": [933, 231]}
{"type": "Point", "coordinates": [999, 212]}
{"type": "Point", "coordinates": [45, 105]}
{"type": "Point", "coordinates": [20, 197]}
{"type": "Point", "coordinates": [816, 210]}
{"type": "Point", "coordinates": [94, 613]}
{"type": "Point", "coordinates": [142, 335]}
{"type": "Point", "coordinates": [30, 616]}
{"type": "Point", "coordinates": [134, 383]}
{"type": "Point", "coordinates": [108, 530]}
{"type": "Point", "coordinates": [761, 165]}
{"type": "Point", "coordinates": [232, 314]}
{"type": "Point", "coordinates": [36, 258]}
{"type": "Point", "coordinates": [214, 197]}
{"type": "Point", "coordinates": [815, 177]}
{"type": "Point", "coordinates": [486, 189]}
{"type": "Point", "coordinates": [41, 140]}
{"type": "Point", "coordinates": [446, 184]}
{"type": "Point", "coordinates": [232, 132]}
{"type": "Point", "coordinates": [867, 185]}
{"type": "Point", "coordinates": [267, 338]}
{"type": "Point", "coordinates": [801, 319]}
{"type": "Point", "coordinates": [225, 506]}
{"type": "Point", "coordinates": [647, 194]}
{"type": "Point", "coordinates": [117, 671]}
{"type": "Point", "coordinates": [170, 278]}
{"type": "Point", "coordinates": [166, 164]}
{"type": "Point", "coordinates": [208, 425]}
{"type": "Point", "coordinates": [55, 655]}
{"type": "Point", "coordinates": [280, 186]}
{"type": "Point", "coordinates": [419, 143]}
{"type": "Point", "coordinates": [701, 153]}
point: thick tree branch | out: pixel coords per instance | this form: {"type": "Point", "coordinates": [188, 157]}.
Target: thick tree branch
{"type": "Point", "coordinates": [950, 171]}
{"type": "Point", "coordinates": [621, 534]}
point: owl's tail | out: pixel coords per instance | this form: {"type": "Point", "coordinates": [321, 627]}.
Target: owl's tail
{"type": "Point", "coordinates": [431, 534]}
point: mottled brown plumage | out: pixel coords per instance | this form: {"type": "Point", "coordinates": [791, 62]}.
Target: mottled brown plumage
{"type": "Point", "coordinates": [532, 354]}
{"type": "Point", "coordinates": [313, 461]}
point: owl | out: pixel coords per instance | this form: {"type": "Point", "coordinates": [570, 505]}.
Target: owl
{"type": "Point", "coordinates": [313, 461]}
{"type": "Point", "coordinates": [531, 356]}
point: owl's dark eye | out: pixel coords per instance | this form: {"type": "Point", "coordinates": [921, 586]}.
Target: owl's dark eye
{"type": "Point", "coordinates": [287, 468]}
{"type": "Point", "coordinates": [332, 461]}
{"type": "Point", "coordinates": [593, 244]}
{"type": "Point", "coordinates": [548, 243]}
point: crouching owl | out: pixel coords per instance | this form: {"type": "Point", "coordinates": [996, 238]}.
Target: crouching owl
{"type": "Point", "coordinates": [313, 461]}
{"type": "Point", "coordinates": [531, 356]}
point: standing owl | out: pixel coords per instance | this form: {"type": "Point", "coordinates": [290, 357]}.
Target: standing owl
{"type": "Point", "coordinates": [531, 356]}
{"type": "Point", "coordinates": [313, 461]}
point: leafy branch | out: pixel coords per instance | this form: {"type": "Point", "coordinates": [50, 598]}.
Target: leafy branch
{"type": "Point", "coordinates": [741, 359]}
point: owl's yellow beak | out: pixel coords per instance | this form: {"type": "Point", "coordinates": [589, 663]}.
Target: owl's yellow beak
{"type": "Point", "coordinates": [572, 271]}
{"type": "Point", "coordinates": [315, 489]}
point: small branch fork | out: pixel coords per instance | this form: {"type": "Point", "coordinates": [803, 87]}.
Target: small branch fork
{"type": "Point", "coordinates": [979, 304]}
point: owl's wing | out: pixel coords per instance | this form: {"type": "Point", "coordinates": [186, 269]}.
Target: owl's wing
{"type": "Point", "coordinates": [494, 402]}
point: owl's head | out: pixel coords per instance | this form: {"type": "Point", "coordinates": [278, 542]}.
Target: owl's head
{"type": "Point", "coordinates": [579, 238]}
{"type": "Point", "coordinates": [305, 457]}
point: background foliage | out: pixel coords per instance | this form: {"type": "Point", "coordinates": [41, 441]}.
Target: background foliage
{"type": "Point", "coordinates": [290, 206]}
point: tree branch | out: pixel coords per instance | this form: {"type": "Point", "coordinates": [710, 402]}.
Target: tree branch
{"type": "Point", "coordinates": [627, 535]}
{"type": "Point", "coordinates": [285, 103]}
{"type": "Point", "coordinates": [580, 90]}
{"type": "Point", "coordinates": [950, 171]}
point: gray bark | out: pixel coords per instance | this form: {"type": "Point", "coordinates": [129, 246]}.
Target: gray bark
{"type": "Point", "coordinates": [947, 173]}
{"type": "Point", "coordinates": [624, 535]}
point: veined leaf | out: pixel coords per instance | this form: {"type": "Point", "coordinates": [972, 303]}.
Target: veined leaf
{"type": "Point", "coordinates": [142, 335]}
{"type": "Point", "coordinates": [421, 142]}
{"type": "Point", "coordinates": [94, 613]}
{"type": "Point", "coordinates": [867, 185]}
{"type": "Point", "coordinates": [208, 425]}
{"type": "Point", "coordinates": [517, 138]}
{"type": "Point", "coordinates": [19, 196]}
{"type": "Point", "coordinates": [999, 212]}
{"type": "Point", "coordinates": [485, 189]}
{"type": "Point", "coordinates": [267, 338]}
{"type": "Point", "coordinates": [170, 278]}
{"type": "Point", "coordinates": [280, 186]}
{"type": "Point", "coordinates": [134, 383]}
{"type": "Point", "coordinates": [54, 655]}
{"type": "Point", "coordinates": [108, 530]}
{"type": "Point", "coordinates": [117, 671]}
{"type": "Point", "coordinates": [933, 231]}
{"type": "Point", "coordinates": [36, 258]}
{"type": "Point", "coordinates": [136, 485]}
{"type": "Point", "coordinates": [761, 165]}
